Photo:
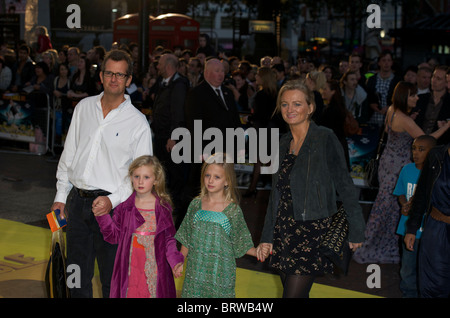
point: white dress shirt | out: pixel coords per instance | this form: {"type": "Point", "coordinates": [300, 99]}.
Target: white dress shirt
{"type": "Point", "coordinates": [98, 151]}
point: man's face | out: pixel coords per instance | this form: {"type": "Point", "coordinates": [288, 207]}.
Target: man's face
{"type": "Point", "coordinates": [343, 67]}
{"type": "Point", "coordinates": [72, 55]}
{"type": "Point", "coordinates": [23, 55]}
{"type": "Point", "coordinates": [215, 73]}
{"type": "Point", "coordinates": [448, 82]}
{"type": "Point", "coordinates": [113, 85]}
{"type": "Point", "coordinates": [410, 77]}
{"type": "Point", "coordinates": [354, 63]}
{"type": "Point", "coordinates": [423, 79]}
{"type": "Point", "coordinates": [302, 65]}
{"type": "Point", "coordinates": [162, 66]}
{"type": "Point", "coordinates": [193, 67]}
{"type": "Point", "coordinates": [385, 63]}
{"type": "Point", "coordinates": [438, 81]}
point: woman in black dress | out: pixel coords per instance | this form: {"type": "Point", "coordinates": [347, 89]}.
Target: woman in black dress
{"type": "Point", "coordinates": [303, 199]}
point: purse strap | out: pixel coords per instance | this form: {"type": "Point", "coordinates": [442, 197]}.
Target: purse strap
{"type": "Point", "coordinates": [380, 144]}
{"type": "Point", "coordinates": [383, 135]}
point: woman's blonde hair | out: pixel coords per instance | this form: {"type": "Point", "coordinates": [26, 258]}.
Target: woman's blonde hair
{"type": "Point", "coordinates": [159, 188]}
{"type": "Point", "coordinates": [224, 161]}
{"type": "Point", "coordinates": [296, 85]}
{"type": "Point", "coordinates": [42, 30]}
{"type": "Point", "coordinates": [268, 80]}
{"type": "Point", "coordinates": [319, 78]}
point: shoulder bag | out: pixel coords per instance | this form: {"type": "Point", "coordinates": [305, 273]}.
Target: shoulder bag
{"type": "Point", "coordinates": [334, 244]}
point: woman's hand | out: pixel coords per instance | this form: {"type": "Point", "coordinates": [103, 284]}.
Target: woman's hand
{"type": "Point", "coordinates": [354, 246]}
{"type": "Point", "coordinates": [263, 251]}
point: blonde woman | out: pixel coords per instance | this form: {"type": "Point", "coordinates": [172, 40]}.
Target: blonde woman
{"type": "Point", "coordinates": [312, 170]}
{"type": "Point", "coordinates": [43, 40]}
{"type": "Point", "coordinates": [317, 81]}
{"type": "Point", "coordinates": [50, 57]}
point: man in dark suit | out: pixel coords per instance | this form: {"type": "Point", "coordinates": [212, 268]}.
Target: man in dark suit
{"type": "Point", "coordinates": [168, 115]}
{"type": "Point", "coordinates": [213, 104]}
{"type": "Point", "coordinates": [280, 74]}
{"type": "Point", "coordinates": [434, 107]}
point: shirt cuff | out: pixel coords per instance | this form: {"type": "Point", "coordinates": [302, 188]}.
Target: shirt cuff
{"type": "Point", "coordinates": [115, 199]}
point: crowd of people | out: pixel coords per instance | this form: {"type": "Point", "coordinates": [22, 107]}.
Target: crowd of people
{"type": "Point", "coordinates": [300, 99]}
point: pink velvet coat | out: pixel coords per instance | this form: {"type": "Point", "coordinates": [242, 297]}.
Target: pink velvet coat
{"type": "Point", "coordinates": [119, 229]}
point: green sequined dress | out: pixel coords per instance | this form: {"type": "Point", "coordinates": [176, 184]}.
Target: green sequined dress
{"type": "Point", "coordinates": [214, 241]}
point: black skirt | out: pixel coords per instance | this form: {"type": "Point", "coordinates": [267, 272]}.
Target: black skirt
{"type": "Point", "coordinates": [296, 243]}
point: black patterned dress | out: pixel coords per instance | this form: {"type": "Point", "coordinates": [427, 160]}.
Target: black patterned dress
{"type": "Point", "coordinates": [296, 243]}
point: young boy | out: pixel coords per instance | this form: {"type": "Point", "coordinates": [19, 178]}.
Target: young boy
{"type": "Point", "coordinates": [404, 189]}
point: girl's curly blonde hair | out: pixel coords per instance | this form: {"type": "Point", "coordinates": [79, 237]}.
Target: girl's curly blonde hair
{"type": "Point", "coordinates": [159, 188]}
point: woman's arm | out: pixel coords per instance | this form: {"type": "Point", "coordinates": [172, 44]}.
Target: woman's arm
{"type": "Point", "coordinates": [410, 126]}
{"type": "Point", "coordinates": [343, 183]}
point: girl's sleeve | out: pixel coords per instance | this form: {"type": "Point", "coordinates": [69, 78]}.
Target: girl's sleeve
{"type": "Point", "coordinates": [183, 234]}
{"type": "Point", "coordinates": [240, 235]}
{"type": "Point", "coordinates": [111, 226]}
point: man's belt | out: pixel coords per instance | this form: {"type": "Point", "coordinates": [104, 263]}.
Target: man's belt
{"type": "Point", "coordinates": [91, 193]}
{"type": "Point", "coordinates": [439, 216]}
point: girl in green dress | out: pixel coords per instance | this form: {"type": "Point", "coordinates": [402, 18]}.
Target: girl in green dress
{"type": "Point", "coordinates": [214, 233]}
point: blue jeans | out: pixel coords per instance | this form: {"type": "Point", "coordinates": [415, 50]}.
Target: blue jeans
{"type": "Point", "coordinates": [84, 244]}
{"type": "Point", "coordinates": [408, 271]}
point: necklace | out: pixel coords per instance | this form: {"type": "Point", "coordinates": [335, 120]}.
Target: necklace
{"type": "Point", "coordinates": [297, 146]}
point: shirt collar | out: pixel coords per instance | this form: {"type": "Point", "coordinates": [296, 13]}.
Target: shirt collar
{"type": "Point", "coordinates": [214, 87]}
{"type": "Point", "coordinates": [122, 105]}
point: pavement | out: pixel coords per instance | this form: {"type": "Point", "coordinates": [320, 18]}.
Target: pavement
{"type": "Point", "coordinates": [27, 190]}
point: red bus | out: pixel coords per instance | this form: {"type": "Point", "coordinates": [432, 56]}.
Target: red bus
{"type": "Point", "coordinates": [168, 30]}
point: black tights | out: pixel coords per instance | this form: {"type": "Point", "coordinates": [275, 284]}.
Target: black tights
{"type": "Point", "coordinates": [296, 286]}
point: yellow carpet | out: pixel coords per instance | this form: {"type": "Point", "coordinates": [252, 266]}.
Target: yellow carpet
{"type": "Point", "coordinates": [25, 249]}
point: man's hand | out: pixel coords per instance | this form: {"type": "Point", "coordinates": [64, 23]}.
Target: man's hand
{"type": "Point", "coordinates": [409, 241]}
{"type": "Point", "coordinates": [61, 207]}
{"type": "Point", "coordinates": [101, 206]}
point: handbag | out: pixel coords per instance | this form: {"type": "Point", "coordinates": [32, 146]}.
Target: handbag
{"type": "Point", "coordinates": [351, 125]}
{"type": "Point", "coordinates": [334, 244]}
{"type": "Point", "coordinates": [55, 274]}
{"type": "Point", "coordinates": [371, 170]}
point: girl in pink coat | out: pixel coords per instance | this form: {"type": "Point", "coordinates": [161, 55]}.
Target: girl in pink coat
{"type": "Point", "coordinates": [147, 258]}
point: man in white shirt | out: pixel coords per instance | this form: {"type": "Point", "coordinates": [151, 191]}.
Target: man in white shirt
{"type": "Point", "coordinates": [105, 135]}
